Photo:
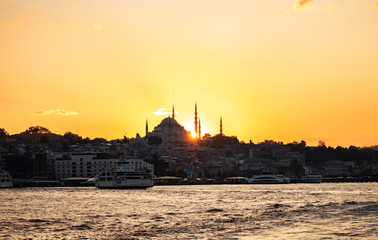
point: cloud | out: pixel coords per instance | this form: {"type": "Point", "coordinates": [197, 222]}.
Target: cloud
{"type": "Point", "coordinates": [98, 27]}
{"type": "Point", "coordinates": [164, 111]}
{"type": "Point", "coordinates": [56, 112]}
{"type": "Point", "coordinates": [302, 3]}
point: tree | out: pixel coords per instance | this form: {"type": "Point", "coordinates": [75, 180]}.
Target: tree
{"type": "Point", "coordinates": [206, 135]}
{"type": "Point", "coordinates": [3, 133]}
{"type": "Point", "coordinates": [297, 146]}
{"type": "Point", "coordinates": [72, 138]}
{"type": "Point", "coordinates": [353, 148]}
{"type": "Point", "coordinates": [321, 143]}
{"type": "Point", "coordinates": [270, 142]}
{"type": "Point", "coordinates": [99, 140]}
{"type": "Point", "coordinates": [221, 140]}
{"type": "Point", "coordinates": [125, 139]}
{"type": "Point", "coordinates": [36, 130]}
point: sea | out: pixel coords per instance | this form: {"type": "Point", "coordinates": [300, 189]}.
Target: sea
{"type": "Point", "coordinates": [240, 211]}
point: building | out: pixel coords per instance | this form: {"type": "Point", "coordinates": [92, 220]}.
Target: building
{"type": "Point", "coordinates": [82, 164]}
{"type": "Point", "coordinates": [336, 168]}
{"type": "Point", "coordinates": [251, 163]}
{"type": "Point", "coordinates": [170, 131]}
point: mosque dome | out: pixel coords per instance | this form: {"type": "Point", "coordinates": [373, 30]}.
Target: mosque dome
{"type": "Point", "coordinates": [170, 131]}
{"type": "Point", "coordinates": [251, 160]}
{"type": "Point", "coordinates": [168, 122]}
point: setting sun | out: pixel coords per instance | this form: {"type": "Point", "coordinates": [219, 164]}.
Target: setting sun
{"type": "Point", "coordinates": [193, 134]}
{"type": "Point", "coordinates": [190, 127]}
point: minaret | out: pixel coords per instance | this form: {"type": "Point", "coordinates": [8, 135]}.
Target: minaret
{"type": "Point", "coordinates": [195, 121]}
{"type": "Point", "coordinates": [250, 149]}
{"type": "Point", "coordinates": [221, 127]}
{"type": "Point", "coordinates": [146, 127]}
{"type": "Point", "coordinates": [173, 111]}
{"type": "Point", "coordinates": [199, 128]}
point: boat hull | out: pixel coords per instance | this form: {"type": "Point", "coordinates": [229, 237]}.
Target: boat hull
{"type": "Point", "coordinates": [312, 178]}
{"type": "Point", "coordinates": [123, 187]}
{"type": "Point", "coordinates": [267, 182]}
{"type": "Point", "coordinates": [268, 179]}
{"type": "Point", "coordinates": [6, 185]}
{"type": "Point", "coordinates": [131, 184]}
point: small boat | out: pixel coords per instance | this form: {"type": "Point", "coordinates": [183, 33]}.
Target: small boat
{"type": "Point", "coordinates": [5, 180]}
{"type": "Point", "coordinates": [127, 173]}
{"type": "Point", "coordinates": [311, 178]}
{"type": "Point", "coordinates": [236, 180]}
{"type": "Point", "coordinates": [268, 179]}
{"type": "Point", "coordinates": [90, 182]}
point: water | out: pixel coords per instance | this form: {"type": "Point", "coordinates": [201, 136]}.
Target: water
{"type": "Point", "coordinates": [291, 211]}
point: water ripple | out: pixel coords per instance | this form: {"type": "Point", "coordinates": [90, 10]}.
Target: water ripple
{"type": "Point", "coordinates": [296, 211]}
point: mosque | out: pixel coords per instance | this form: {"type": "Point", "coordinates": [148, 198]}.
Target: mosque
{"type": "Point", "coordinates": [171, 132]}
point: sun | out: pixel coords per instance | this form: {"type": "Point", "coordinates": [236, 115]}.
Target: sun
{"type": "Point", "coordinates": [193, 134]}
{"type": "Point", "coordinates": [189, 126]}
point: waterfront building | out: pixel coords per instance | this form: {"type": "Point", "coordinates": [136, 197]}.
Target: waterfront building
{"type": "Point", "coordinates": [335, 168]}
{"type": "Point", "coordinates": [252, 163]}
{"type": "Point", "coordinates": [81, 164]}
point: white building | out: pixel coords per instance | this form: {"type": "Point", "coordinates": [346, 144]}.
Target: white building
{"type": "Point", "coordinates": [80, 164]}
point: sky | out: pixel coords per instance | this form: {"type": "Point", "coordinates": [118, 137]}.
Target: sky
{"type": "Point", "coordinates": [286, 70]}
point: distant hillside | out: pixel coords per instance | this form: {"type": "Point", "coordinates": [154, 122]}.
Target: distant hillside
{"type": "Point", "coordinates": [375, 148]}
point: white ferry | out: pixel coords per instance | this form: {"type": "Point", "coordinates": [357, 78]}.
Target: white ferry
{"type": "Point", "coordinates": [127, 173]}
{"type": "Point", "coordinates": [268, 179]}
{"type": "Point", "coordinates": [5, 180]}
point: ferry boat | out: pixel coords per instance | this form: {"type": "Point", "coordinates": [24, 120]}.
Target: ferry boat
{"type": "Point", "coordinates": [268, 179]}
{"type": "Point", "coordinates": [5, 180]}
{"type": "Point", "coordinates": [312, 178]}
{"type": "Point", "coordinates": [127, 173]}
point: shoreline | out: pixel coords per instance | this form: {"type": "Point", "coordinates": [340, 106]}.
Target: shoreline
{"type": "Point", "coordinates": [23, 184]}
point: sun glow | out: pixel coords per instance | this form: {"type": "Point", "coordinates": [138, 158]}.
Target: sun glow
{"type": "Point", "coordinates": [193, 134]}
{"type": "Point", "coordinates": [190, 127]}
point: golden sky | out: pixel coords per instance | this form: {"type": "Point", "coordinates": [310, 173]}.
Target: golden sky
{"type": "Point", "coordinates": [273, 69]}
